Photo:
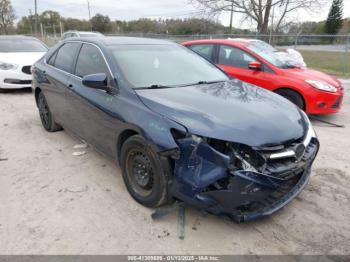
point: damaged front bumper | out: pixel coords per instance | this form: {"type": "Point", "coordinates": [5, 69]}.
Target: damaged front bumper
{"type": "Point", "coordinates": [243, 184]}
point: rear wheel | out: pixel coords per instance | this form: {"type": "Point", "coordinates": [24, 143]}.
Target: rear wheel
{"type": "Point", "coordinates": [145, 174]}
{"type": "Point", "coordinates": [46, 116]}
{"type": "Point", "coordinates": [293, 97]}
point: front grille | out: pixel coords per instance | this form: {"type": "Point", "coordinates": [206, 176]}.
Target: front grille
{"type": "Point", "coordinates": [17, 81]}
{"type": "Point", "coordinates": [337, 103]}
{"type": "Point", "coordinates": [286, 168]}
{"type": "Point", "coordinates": [27, 70]}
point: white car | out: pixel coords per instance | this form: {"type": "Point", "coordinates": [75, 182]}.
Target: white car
{"type": "Point", "coordinates": [17, 55]}
{"type": "Point", "coordinates": [70, 34]}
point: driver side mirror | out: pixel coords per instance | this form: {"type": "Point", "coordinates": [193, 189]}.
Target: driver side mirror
{"type": "Point", "coordinates": [96, 81]}
{"type": "Point", "coordinates": [255, 65]}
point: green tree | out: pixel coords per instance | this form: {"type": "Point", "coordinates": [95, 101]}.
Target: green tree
{"type": "Point", "coordinates": [100, 23]}
{"type": "Point", "coordinates": [50, 20]}
{"type": "Point", "coordinates": [335, 17]}
{"type": "Point", "coordinates": [26, 25]}
{"type": "Point", "coordinates": [7, 15]}
{"type": "Point", "coordinates": [75, 24]}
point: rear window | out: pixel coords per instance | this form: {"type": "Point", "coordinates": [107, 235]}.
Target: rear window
{"type": "Point", "coordinates": [65, 56]}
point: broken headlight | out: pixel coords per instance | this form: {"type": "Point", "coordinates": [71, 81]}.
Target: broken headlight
{"type": "Point", "coordinates": [242, 157]}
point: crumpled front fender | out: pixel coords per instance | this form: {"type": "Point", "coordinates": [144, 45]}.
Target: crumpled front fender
{"type": "Point", "coordinates": [199, 164]}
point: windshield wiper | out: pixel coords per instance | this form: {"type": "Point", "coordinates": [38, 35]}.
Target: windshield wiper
{"type": "Point", "coordinates": [156, 86]}
{"type": "Point", "coordinates": [204, 83]}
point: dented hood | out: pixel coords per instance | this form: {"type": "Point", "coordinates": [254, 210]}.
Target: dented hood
{"type": "Point", "coordinates": [232, 111]}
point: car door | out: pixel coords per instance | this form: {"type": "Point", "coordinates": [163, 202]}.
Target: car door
{"type": "Point", "coordinates": [89, 109]}
{"type": "Point", "coordinates": [235, 62]}
{"type": "Point", "coordinates": [57, 74]}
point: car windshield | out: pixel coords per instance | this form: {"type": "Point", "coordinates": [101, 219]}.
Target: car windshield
{"type": "Point", "coordinates": [21, 45]}
{"type": "Point", "coordinates": [268, 53]}
{"type": "Point", "coordinates": [164, 65]}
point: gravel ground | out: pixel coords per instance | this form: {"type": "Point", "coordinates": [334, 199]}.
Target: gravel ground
{"type": "Point", "coordinates": [52, 202]}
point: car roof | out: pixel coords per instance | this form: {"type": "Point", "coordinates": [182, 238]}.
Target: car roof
{"type": "Point", "coordinates": [228, 41]}
{"type": "Point", "coordinates": [121, 40]}
{"type": "Point", "coordinates": [81, 32]}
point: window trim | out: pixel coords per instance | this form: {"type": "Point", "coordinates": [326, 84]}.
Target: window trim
{"type": "Point", "coordinates": [264, 65]}
{"type": "Point", "coordinates": [212, 57]}
{"type": "Point", "coordinates": [55, 53]}
{"type": "Point", "coordinates": [235, 47]}
{"type": "Point", "coordinates": [75, 58]}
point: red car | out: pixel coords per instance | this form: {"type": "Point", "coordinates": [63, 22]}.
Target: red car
{"type": "Point", "coordinates": [257, 62]}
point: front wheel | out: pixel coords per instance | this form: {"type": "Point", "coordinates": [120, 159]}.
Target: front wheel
{"type": "Point", "coordinates": [45, 115]}
{"type": "Point", "coordinates": [145, 175]}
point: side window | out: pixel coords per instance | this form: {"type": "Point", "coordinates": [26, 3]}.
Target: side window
{"type": "Point", "coordinates": [65, 56]}
{"type": "Point", "coordinates": [203, 50]}
{"type": "Point", "coordinates": [52, 59]}
{"type": "Point", "coordinates": [234, 57]}
{"type": "Point", "coordinates": [90, 61]}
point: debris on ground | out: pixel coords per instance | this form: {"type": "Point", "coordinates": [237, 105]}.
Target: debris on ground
{"type": "Point", "coordinates": [196, 224]}
{"type": "Point", "coordinates": [326, 122]}
{"type": "Point", "coordinates": [181, 221]}
{"type": "Point", "coordinates": [80, 146]}
{"type": "Point", "coordinates": [79, 153]}
{"type": "Point", "coordinates": [164, 234]}
{"type": "Point", "coordinates": [180, 207]}
{"type": "Point", "coordinates": [77, 189]}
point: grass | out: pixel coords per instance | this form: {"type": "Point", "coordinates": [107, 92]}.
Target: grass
{"type": "Point", "coordinates": [334, 63]}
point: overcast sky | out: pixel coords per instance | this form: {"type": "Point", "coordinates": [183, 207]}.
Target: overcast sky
{"type": "Point", "coordinates": [133, 9]}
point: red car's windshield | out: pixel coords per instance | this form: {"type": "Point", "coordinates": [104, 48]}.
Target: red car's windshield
{"type": "Point", "coordinates": [268, 53]}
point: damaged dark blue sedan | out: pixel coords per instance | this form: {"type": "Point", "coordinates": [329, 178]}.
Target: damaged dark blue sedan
{"type": "Point", "coordinates": [178, 126]}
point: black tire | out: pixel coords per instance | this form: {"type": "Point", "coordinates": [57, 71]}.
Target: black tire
{"type": "Point", "coordinates": [145, 174]}
{"type": "Point", "coordinates": [293, 97]}
{"type": "Point", "coordinates": [45, 115]}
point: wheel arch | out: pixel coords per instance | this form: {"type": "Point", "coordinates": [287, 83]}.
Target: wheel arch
{"type": "Point", "coordinates": [36, 94]}
{"type": "Point", "coordinates": [123, 136]}
{"type": "Point", "coordinates": [293, 90]}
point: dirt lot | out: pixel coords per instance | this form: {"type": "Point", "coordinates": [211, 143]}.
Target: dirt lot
{"type": "Point", "coordinates": [54, 203]}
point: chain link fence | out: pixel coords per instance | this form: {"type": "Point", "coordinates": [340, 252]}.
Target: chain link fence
{"type": "Point", "coordinates": [327, 53]}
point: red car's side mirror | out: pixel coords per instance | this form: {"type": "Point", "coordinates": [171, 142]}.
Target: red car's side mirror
{"type": "Point", "coordinates": [255, 65]}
